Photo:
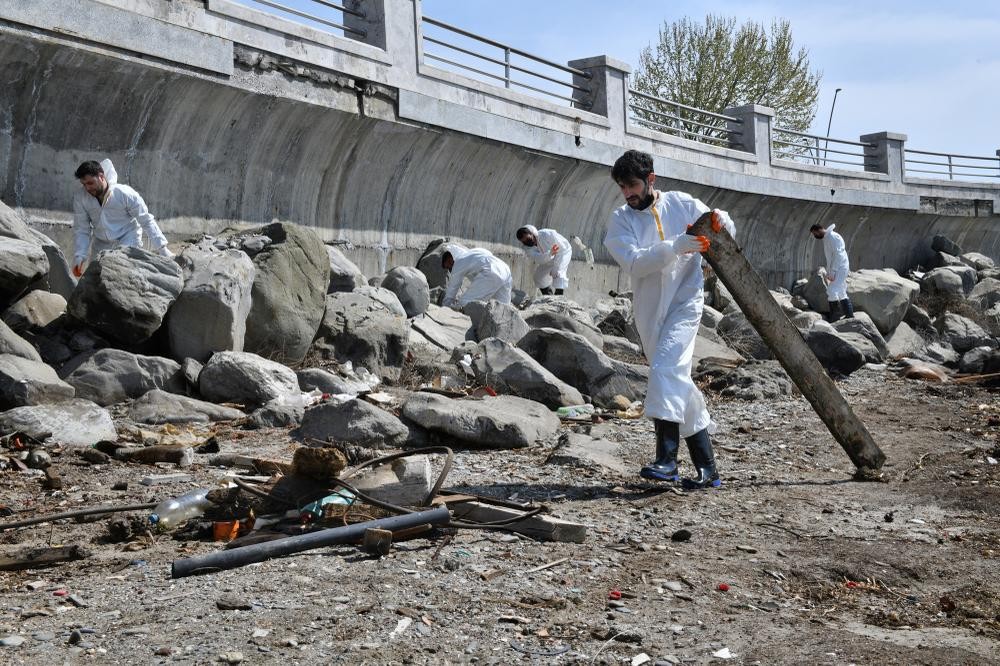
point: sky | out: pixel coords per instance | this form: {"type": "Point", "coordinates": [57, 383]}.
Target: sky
{"type": "Point", "coordinates": [927, 69]}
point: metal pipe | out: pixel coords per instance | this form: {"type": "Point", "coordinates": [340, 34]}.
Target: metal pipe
{"type": "Point", "coordinates": [830, 122]}
{"type": "Point", "coordinates": [230, 559]}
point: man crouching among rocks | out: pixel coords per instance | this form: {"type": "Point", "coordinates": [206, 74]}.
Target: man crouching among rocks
{"type": "Point", "coordinates": [647, 237]}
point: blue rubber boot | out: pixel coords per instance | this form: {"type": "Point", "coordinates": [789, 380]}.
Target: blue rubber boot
{"type": "Point", "coordinates": [700, 448]}
{"type": "Point", "coordinates": [668, 441]}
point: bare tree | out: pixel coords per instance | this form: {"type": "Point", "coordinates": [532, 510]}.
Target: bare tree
{"type": "Point", "coordinates": [715, 65]}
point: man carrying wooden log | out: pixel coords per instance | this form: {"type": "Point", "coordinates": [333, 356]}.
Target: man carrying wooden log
{"type": "Point", "coordinates": [647, 237]}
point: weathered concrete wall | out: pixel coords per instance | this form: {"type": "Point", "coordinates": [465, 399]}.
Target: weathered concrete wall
{"type": "Point", "coordinates": [332, 152]}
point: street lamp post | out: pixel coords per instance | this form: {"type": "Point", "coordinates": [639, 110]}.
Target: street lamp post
{"type": "Point", "coordinates": [830, 124]}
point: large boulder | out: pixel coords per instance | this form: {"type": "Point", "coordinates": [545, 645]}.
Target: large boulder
{"type": "Point", "coordinates": [940, 353]}
{"type": "Point", "coordinates": [126, 292]}
{"type": "Point", "coordinates": [705, 347]}
{"type": "Point", "coordinates": [739, 334]}
{"type": "Point", "coordinates": [383, 296]}
{"type": "Point", "coordinates": [508, 369]}
{"type": "Point", "coordinates": [862, 324]}
{"type": "Point", "coordinates": [572, 358]}
{"type": "Point", "coordinates": [443, 327]}
{"type": "Point", "coordinates": [158, 406]}
{"type": "Point", "coordinates": [883, 295]}
{"type": "Point", "coordinates": [210, 314]}
{"type": "Point", "coordinates": [978, 261]}
{"type": "Point", "coordinates": [242, 377]}
{"type": "Point", "coordinates": [904, 341]}
{"type": "Point", "coordinates": [918, 318]}
{"type": "Point", "coordinates": [564, 315]}
{"type": "Point", "coordinates": [21, 264]}
{"type": "Point", "coordinates": [501, 422]}
{"type": "Point", "coordinates": [354, 422]}
{"type": "Point", "coordinates": [27, 382]}
{"type": "Point", "coordinates": [364, 331]}
{"type": "Point", "coordinates": [35, 310]}
{"type": "Point", "coordinates": [962, 333]}
{"type": "Point", "coordinates": [492, 319]}
{"type": "Point", "coordinates": [944, 282]}
{"type": "Point", "coordinates": [289, 292]}
{"type": "Point", "coordinates": [410, 286]}
{"type": "Point", "coordinates": [59, 279]}
{"type": "Point", "coordinates": [813, 291]}
{"type": "Point", "coordinates": [344, 274]}
{"type": "Point", "coordinates": [12, 343]}
{"type": "Point", "coordinates": [430, 262]}
{"type": "Point", "coordinates": [941, 243]}
{"type": "Point", "coordinates": [753, 380]}
{"type": "Point", "coordinates": [75, 423]}
{"type": "Point", "coordinates": [109, 376]}
{"type": "Point", "coordinates": [986, 294]}
{"type": "Point", "coordinates": [837, 354]}
{"type": "Point", "coordinates": [976, 360]}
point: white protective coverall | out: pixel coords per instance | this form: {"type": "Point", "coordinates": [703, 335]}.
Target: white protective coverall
{"type": "Point", "coordinates": [119, 221]}
{"type": "Point", "coordinates": [837, 264]}
{"type": "Point", "coordinates": [667, 300]}
{"type": "Point", "coordinates": [550, 269]}
{"type": "Point", "coordinates": [489, 277]}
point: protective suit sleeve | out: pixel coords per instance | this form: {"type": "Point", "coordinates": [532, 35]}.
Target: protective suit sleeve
{"type": "Point", "coordinates": [637, 261]}
{"type": "Point", "coordinates": [455, 280]}
{"type": "Point", "coordinates": [136, 207]}
{"type": "Point", "coordinates": [81, 232]}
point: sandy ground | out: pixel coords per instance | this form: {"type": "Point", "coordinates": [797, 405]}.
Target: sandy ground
{"type": "Point", "coordinates": [820, 569]}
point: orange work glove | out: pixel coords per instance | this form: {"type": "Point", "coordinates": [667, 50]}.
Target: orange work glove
{"type": "Point", "coordinates": [716, 221]}
{"type": "Point", "coordinates": [78, 270]}
{"type": "Point", "coordinates": [555, 249]}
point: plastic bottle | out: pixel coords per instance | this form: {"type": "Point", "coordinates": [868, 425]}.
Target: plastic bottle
{"type": "Point", "coordinates": [575, 410]}
{"type": "Point", "coordinates": [171, 512]}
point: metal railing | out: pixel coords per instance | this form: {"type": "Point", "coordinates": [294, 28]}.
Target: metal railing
{"type": "Point", "coordinates": [805, 148]}
{"type": "Point", "coordinates": [505, 67]}
{"type": "Point", "coordinates": [319, 14]}
{"type": "Point", "coordinates": [688, 122]}
{"type": "Point", "coordinates": [951, 165]}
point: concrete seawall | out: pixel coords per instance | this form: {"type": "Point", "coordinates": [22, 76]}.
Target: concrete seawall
{"type": "Point", "coordinates": [334, 152]}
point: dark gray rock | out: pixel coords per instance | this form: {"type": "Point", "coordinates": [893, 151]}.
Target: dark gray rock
{"type": "Point", "coordinates": [430, 262]}
{"type": "Point", "coordinates": [918, 318]}
{"type": "Point", "coordinates": [289, 293]}
{"type": "Point", "coordinates": [26, 382]}
{"type": "Point", "coordinates": [14, 344]}
{"type": "Point", "coordinates": [753, 380]}
{"type": "Point", "coordinates": [109, 376]}
{"type": "Point", "coordinates": [353, 422]}
{"type": "Point", "coordinates": [948, 282]}
{"type": "Point", "coordinates": [589, 452]}
{"type": "Point", "coordinates": [942, 243]}
{"type": "Point", "coordinates": [383, 296]}
{"type": "Point", "coordinates": [491, 319]}
{"type": "Point", "coordinates": [863, 325]}
{"type": "Point", "coordinates": [739, 334]}
{"type": "Point", "coordinates": [34, 311]}
{"type": "Point", "coordinates": [563, 315]}
{"type": "Point", "coordinates": [975, 360]}
{"type": "Point", "coordinates": [443, 327]}
{"type": "Point", "coordinates": [330, 382]}
{"type": "Point", "coordinates": [501, 422]}
{"type": "Point", "coordinates": [159, 406]}
{"type": "Point", "coordinates": [978, 261]}
{"type": "Point", "coordinates": [962, 333]}
{"type": "Point", "coordinates": [74, 423]}
{"type": "Point", "coordinates": [904, 341]}
{"type": "Point", "coordinates": [21, 264]}
{"type": "Point", "coordinates": [986, 294]}
{"type": "Point", "coordinates": [245, 378]}
{"type": "Point", "coordinates": [58, 279]}
{"type": "Point", "coordinates": [410, 286]}
{"type": "Point", "coordinates": [210, 314]}
{"type": "Point", "coordinates": [510, 370]}
{"type": "Point", "coordinates": [125, 293]}
{"type": "Point", "coordinates": [838, 355]}
{"type": "Point", "coordinates": [710, 317]}
{"type": "Point", "coordinates": [572, 358]}
{"type": "Point", "coordinates": [883, 295]}
{"type": "Point", "coordinates": [344, 274]}
{"type": "Point", "coordinates": [623, 349]}
{"type": "Point", "coordinates": [362, 330]}
{"type": "Point", "coordinates": [940, 353]}
{"type": "Point", "coordinates": [278, 413]}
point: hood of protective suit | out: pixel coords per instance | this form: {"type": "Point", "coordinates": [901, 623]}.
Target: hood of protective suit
{"type": "Point", "coordinates": [457, 251]}
{"type": "Point", "coordinates": [531, 228]}
{"type": "Point", "coordinates": [109, 172]}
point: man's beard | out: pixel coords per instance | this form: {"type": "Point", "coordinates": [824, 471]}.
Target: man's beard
{"type": "Point", "coordinates": [645, 201]}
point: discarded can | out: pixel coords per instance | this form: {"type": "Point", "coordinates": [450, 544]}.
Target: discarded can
{"type": "Point", "coordinates": [615, 594]}
{"type": "Point", "coordinates": [225, 530]}
{"type": "Point", "coordinates": [723, 587]}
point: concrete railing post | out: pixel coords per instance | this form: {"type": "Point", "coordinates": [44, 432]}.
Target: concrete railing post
{"type": "Point", "coordinates": [608, 85]}
{"type": "Point", "coordinates": [390, 25]}
{"type": "Point", "coordinates": [752, 134]}
{"type": "Point", "coordinates": [885, 154]}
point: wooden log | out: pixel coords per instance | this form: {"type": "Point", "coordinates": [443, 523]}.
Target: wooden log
{"type": "Point", "coordinates": [43, 557]}
{"type": "Point", "coordinates": [541, 527]}
{"type": "Point", "coordinates": [749, 291]}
